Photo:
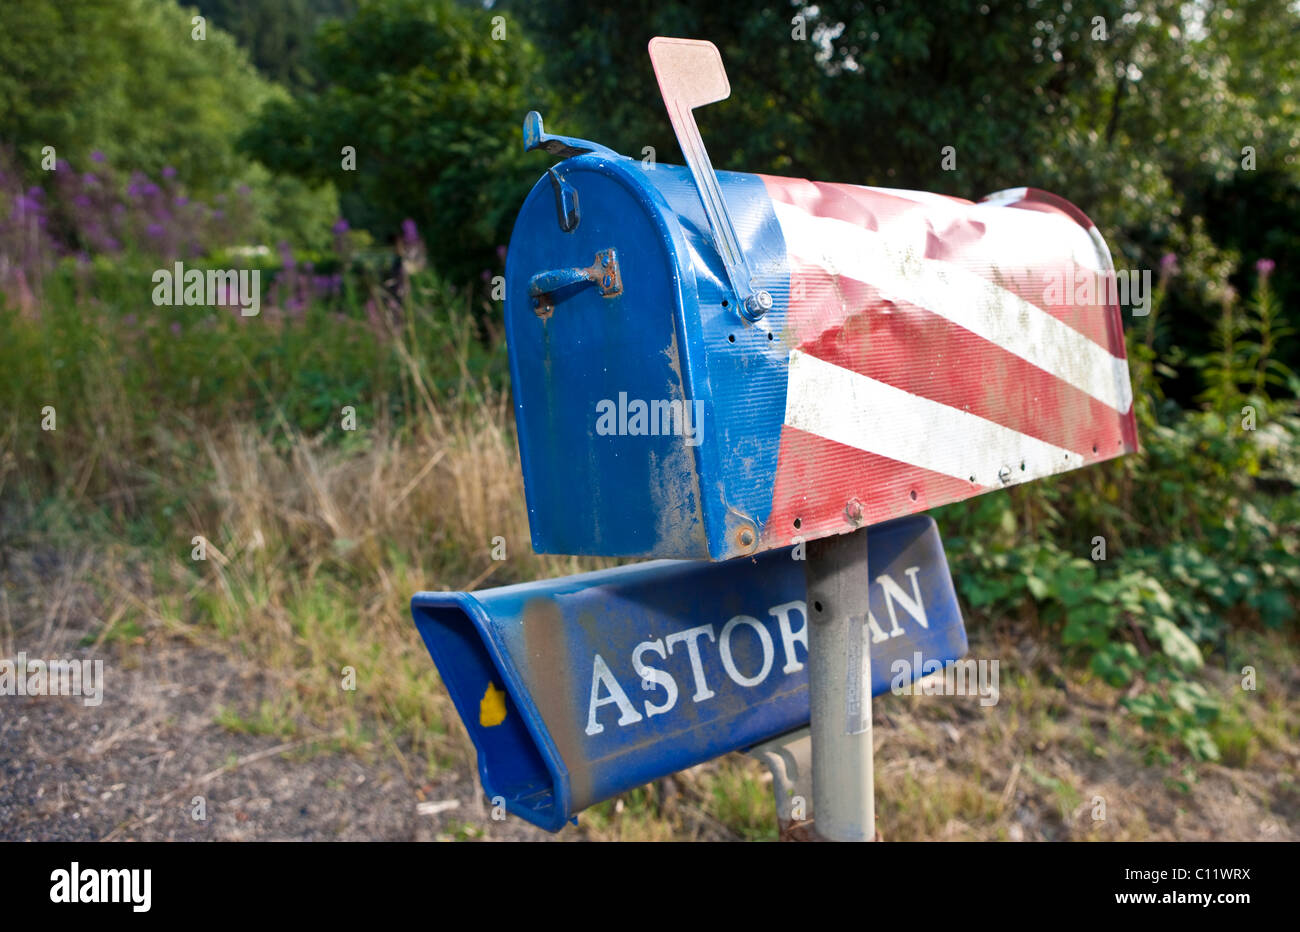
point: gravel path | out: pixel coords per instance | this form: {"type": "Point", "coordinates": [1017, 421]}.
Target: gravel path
{"type": "Point", "coordinates": [132, 767]}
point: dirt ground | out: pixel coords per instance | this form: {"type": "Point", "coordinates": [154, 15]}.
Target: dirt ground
{"type": "Point", "coordinates": [1032, 767]}
{"type": "Point", "coordinates": [131, 768]}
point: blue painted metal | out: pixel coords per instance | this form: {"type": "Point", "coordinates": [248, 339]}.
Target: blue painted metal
{"type": "Point", "coordinates": [675, 334]}
{"type": "Point", "coordinates": [580, 724]}
{"type": "Point", "coordinates": [536, 137]}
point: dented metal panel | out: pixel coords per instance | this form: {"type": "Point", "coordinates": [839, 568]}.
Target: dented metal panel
{"type": "Point", "coordinates": [574, 690]}
{"type": "Point", "coordinates": [919, 349]}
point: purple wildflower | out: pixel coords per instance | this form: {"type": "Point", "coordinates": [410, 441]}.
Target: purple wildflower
{"type": "Point", "coordinates": [1265, 268]}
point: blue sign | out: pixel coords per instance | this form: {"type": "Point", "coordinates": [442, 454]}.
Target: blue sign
{"type": "Point", "coordinates": [577, 689]}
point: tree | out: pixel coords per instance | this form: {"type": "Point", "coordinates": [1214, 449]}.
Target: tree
{"type": "Point", "coordinates": [420, 117]}
{"type": "Point", "coordinates": [276, 33]}
{"type": "Point", "coordinates": [125, 78]}
{"type": "Point", "coordinates": [1136, 110]}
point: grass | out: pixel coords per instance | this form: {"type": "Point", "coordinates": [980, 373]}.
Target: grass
{"type": "Point", "coordinates": [227, 441]}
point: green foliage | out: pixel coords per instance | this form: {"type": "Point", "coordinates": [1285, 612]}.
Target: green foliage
{"type": "Point", "coordinates": [192, 367]}
{"type": "Point", "coordinates": [432, 106]}
{"type": "Point", "coordinates": [1201, 530]}
{"type": "Point", "coordinates": [1143, 128]}
{"type": "Point", "coordinates": [127, 79]}
{"type": "Point", "coordinates": [276, 33]}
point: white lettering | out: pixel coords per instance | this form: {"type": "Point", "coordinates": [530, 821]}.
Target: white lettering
{"type": "Point", "coordinates": [914, 607]}
{"type": "Point", "coordinates": [651, 675]}
{"type": "Point", "coordinates": [601, 675]}
{"type": "Point", "coordinates": [789, 637]}
{"type": "Point", "coordinates": [728, 662]}
{"type": "Point", "coordinates": [692, 638]}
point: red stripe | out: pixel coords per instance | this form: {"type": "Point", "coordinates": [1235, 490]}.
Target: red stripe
{"type": "Point", "coordinates": [962, 242]}
{"type": "Point", "coordinates": [927, 355]}
{"type": "Point", "coordinates": [816, 478]}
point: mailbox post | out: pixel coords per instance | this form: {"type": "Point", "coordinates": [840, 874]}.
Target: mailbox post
{"type": "Point", "coordinates": [839, 687]}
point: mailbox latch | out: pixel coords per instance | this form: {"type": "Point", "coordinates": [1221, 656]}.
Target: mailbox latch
{"type": "Point", "coordinates": [603, 273]}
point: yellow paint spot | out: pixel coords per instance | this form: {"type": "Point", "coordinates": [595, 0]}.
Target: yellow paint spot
{"type": "Point", "coordinates": [492, 707]}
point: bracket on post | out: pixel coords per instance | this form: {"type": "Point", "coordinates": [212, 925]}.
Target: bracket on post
{"type": "Point", "coordinates": [789, 758]}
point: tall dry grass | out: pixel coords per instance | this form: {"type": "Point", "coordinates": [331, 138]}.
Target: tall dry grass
{"type": "Point", "coordinates": [314, 552]}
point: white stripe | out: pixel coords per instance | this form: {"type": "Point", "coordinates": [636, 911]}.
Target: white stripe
{"type": "Point", "coordinates": [1006, 196]}
{"type": "Point", "coordinates": [901, 272]}
{"type": "Point", "coordinates": [1034, 238]}
{"type": "Point", "coordinates": [928, 198]}
{"type": "Point", "coordinates": [858, 411]}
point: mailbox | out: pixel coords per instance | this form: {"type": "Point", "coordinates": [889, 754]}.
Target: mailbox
{"type": "Point", "coordinates": [710, 365]}
{"type": "Point", "coordinates": [576, 689]}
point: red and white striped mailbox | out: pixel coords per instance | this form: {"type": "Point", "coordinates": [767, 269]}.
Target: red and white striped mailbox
{"type": "Point", "coordinates": [707, 365]}
{"type": "Point", "coordinates": [712, 365]}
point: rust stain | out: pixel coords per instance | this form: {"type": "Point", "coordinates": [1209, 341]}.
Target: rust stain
{"type": "Point", "coordinates": [550, 684]}
{"type": "Point", "coordinates": [679, 507]}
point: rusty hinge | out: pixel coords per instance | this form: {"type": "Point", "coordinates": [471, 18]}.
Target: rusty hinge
{"type": "Point", "coordinates": [603, 273]}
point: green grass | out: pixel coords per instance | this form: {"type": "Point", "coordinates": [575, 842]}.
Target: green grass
{"type": "Point", "coordinates": [317, 536]}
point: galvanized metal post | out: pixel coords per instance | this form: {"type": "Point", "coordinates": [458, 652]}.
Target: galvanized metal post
{"type": "Point", "coordinates": [839, 687]}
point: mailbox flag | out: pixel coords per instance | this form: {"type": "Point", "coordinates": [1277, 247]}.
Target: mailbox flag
{"type": "Point", "coordinates": [940, 349]}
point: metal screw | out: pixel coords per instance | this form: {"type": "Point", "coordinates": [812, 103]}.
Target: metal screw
{"type": "Point", "coordinates": [1004, 474]}
{"type": "Point", "coordinates": [746, 537]}
{"type": "Point", "coordinates": [758, 304]}
{"type": "Point", "coordinates": [854, 511]}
